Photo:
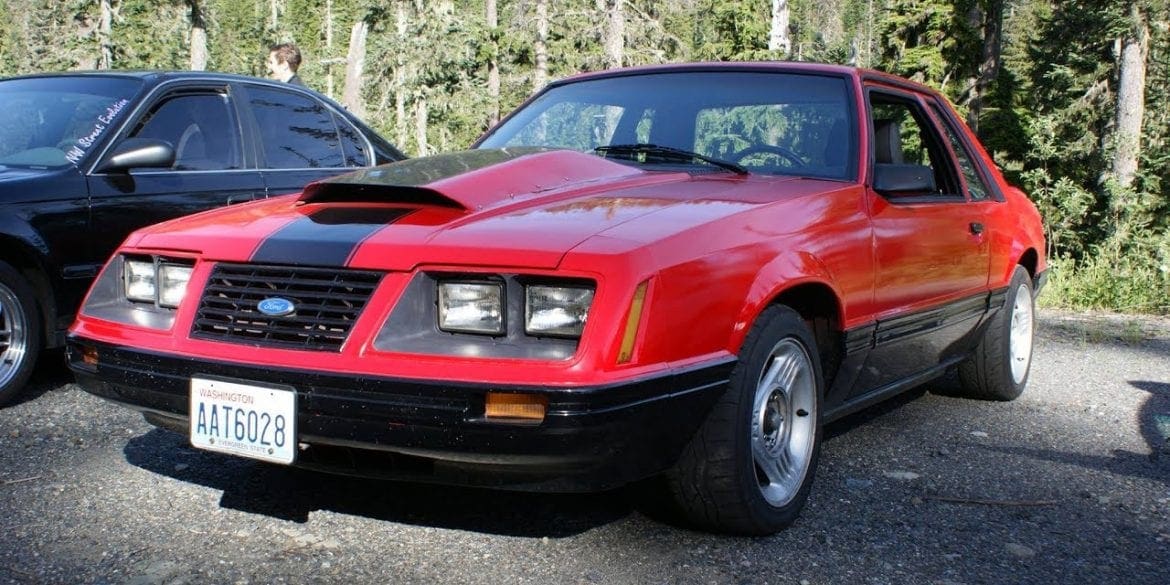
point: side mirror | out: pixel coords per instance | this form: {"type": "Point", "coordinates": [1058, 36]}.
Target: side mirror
{"type": "Point", "coordinates": [139, 152]}
{"type": "Point", "coordinates": [903, 179]}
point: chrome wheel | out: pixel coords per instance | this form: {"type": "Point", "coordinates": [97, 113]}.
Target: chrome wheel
{"type": "Point", "coordinates": [784, 422]}
{"type": "Point", "coordinates": [13, 335]}
{"type": "Point", "coordinates": [1020, 334]}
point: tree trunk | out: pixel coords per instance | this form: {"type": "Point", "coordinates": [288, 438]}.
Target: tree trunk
{"type": "Point", "coordinates": [198, 37]}
{"type": "Point", "coordinates": [420, 125]}
{"type": "Point", "coordinates": [329, 48]}
{"type": "Point", "coordinates": [870, 51]}
{"type": "Point", "coordinates": [105, 29]}
{"type": "Point", "coordinates": [778, 39]}
{"type": "Point", "coordinates": [1131, 98]}
{"type": "Point", "coordinates": [400, 123]}
{"type": "Point", "coordinates": [540, 46]}
{"type": "Point", "coordinates": [615, 35]}
{"type": "Point", "coordinates": [493, 73]}
{"type": "Point", "coordinates": [615, 48]}
{"type": "Point", "coordinates": [355, 62]}
{"type": "Point", "coordinates": [274, 8]}
{"type": "Point", "coordinates": [991, 15]}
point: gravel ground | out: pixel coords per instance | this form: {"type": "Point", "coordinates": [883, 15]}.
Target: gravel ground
{"type": "Point", "coordinates": [1068, 484]}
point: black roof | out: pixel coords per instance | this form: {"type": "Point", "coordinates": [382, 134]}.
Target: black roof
{"type": "Point", "coordinates": [151, 76]}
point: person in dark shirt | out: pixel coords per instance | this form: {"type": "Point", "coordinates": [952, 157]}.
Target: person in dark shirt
{"type": "Point", "coordinates": [283, 61]}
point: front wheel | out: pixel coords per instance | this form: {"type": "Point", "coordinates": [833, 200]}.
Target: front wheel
{"type": "Point", "coordinates": [750, 467]}
{"type": "Point", "coordinates": [998, 370]}
{"type": "Point", "coordinates": [20, 332]}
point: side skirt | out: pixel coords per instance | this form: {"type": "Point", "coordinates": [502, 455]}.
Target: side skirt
{"type": "Point", "coordinates": [889, 390]}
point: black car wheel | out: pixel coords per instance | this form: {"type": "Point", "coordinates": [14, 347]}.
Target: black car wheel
{"type": "Point", "coordinates": [750, 467]}
{"type": "Point", "coordinates": [998, 370]}
{"type": "Point", "coordinates": [20, 333]}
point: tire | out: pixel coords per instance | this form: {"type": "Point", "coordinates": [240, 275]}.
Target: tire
{"type": "Point", "coordinates": [749, 468]}
{"type": "Point", "coordinates": [999, 367]}
{"type": "Point", "coordinates": [20, 332]}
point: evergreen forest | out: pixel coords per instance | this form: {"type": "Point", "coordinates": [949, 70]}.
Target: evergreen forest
{"type": "Point", "coordinates": [1072, 97]}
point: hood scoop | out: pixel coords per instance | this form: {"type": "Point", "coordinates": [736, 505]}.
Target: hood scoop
{"type": "Point", "coordinates": [469, 180]}
{"type": "Point", "coordinates": [346, 192]}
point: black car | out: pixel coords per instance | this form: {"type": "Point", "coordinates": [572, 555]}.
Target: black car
{"type": "Point", "coordinates": [86, 158]}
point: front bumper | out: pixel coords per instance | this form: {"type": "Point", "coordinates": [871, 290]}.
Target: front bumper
{"type": "Point", "coordinates": [592, 438]}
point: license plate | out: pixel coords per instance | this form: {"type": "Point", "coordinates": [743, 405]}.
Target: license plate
{"type": "Point", "coordinates": [245, 420]}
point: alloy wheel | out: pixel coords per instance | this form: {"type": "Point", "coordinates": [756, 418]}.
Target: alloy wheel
{"type": "Point", "coordinates": [1020, 335]}
{"type": "Point", "coordinates": [13, 335]}
{"type": "Point", "coordinates": [784, 420]}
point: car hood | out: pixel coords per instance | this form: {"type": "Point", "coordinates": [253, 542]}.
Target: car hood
{"type": "Point", "coordinates": [23, 185]}
{"type": "Point", "coordinates": [506, 207]}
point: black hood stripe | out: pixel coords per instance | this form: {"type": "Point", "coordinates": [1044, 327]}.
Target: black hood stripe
{"type": "Point", "coordinates": [325, 237]}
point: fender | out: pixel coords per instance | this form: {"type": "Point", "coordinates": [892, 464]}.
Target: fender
{"type": "Point", "coordinates": [1025, 238]}
{"type": "Point", "coordinates": [781, 274]}
{"type": "Point", "coordinates": [22, 247]}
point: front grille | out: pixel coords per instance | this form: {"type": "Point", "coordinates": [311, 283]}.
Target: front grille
{"type": "Point", "coordinates": [327, 303]}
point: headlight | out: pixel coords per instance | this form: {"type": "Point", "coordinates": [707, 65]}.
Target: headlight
{"type": "Point", "coordinates": [140, 279]}
{"type": "Point", "coordinates": [147, 281]}
{"type": "Point", "coordinates": [468, 307]}
{"type": "Point", "coordinates": [172, 283]}
{"type": "Point", "coordinates": [556, 310]}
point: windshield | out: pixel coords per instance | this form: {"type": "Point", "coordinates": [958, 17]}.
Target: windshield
{"type": "Point", "coordinates": [52, 122]}
{"type": "Point", "coordinates": [776, 123]}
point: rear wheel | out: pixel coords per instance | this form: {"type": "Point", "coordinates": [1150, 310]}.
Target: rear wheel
{"type": "Point", "coordinates": [750, 467]}
{"type": "Point", "coordinates": [998, 370]}
{"type": "Point", "coordinates": [20, 332]}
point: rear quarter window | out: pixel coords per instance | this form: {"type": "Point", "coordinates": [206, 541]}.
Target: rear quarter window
{"type": "Point", "coordinates": [297, 132]}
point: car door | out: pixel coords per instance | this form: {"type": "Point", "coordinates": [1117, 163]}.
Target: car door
{"type": "Point", "coordinates": [211, 168]}
{"type": "Point", "coordinates": [931, 252]}
{"type": "Point", "coordinates": [301, 139]}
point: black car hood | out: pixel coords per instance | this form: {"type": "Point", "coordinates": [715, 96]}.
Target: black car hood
{"type": "Point", "coordinates": [20, 184]}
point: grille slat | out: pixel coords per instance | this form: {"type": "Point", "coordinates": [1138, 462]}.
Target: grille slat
{"type": "Point", "coordinates": [302, 318]}
{"type": "Point", "coordinates": [358, 296]}
{"type": "Point", "coordinates": [327, 301]}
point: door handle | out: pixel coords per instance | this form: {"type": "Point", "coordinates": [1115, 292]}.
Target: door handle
{"type": "Point", "coordinates": [976, 228]}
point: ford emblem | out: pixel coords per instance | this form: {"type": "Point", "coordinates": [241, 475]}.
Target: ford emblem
{"type": "Point", "coordinates": [276, 307]}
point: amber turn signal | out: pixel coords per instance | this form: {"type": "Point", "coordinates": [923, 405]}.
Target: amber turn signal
{"type": "Point", "coordinates": [89, 356]}
{"type": "Point", "coordinates": [505, 405]}
{"type": "Point", "coordinates": [626, 351]}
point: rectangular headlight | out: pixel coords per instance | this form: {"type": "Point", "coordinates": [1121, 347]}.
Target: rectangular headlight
{"type": "Point", "coordinates": [172, 284]}
{"type": "Point", "coordinates": [140, 280]}
{"type": "Point", "coordinates": [556, 310]}
{"type": "Point", "coordinates": [468, 307]}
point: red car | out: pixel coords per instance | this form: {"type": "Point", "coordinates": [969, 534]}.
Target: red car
{"type": "Point", "coordinates": [677, 271]}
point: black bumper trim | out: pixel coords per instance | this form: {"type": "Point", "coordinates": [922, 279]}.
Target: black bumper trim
{"type": "Point", "coordinates": [593, 438]}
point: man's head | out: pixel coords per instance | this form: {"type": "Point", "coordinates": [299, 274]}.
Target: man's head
{"type": "Point", "coordinates": [283, 61]}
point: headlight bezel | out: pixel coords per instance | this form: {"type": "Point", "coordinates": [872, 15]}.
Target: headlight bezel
{"type": "Point", "coordinates": [412, 325]}
{"type": "Point", "coordinates": [107, 299]}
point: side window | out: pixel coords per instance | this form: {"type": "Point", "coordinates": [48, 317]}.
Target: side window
{"type": "Point", "coordinates": [976, 186]}
{"type": "Point", "coordinates": [297, 132]}
{"type": "Point", "coordinates": [201, 128]}
{"type": "Point", "coordinates": [354, 145]}
{"type": "Point", "coordinates": [908, 155]}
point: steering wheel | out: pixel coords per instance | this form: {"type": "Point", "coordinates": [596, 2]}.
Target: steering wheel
{"type": "Point", "coordinates": [793, 158]}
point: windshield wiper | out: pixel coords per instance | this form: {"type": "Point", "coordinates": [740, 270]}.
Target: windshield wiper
{"type": "Point", "coordinates": [667, 153]}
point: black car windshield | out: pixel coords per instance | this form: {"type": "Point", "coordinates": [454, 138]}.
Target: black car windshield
{"type": "Point", "coordinates": [52, 122]}
{"type": "Point", "coordinates": [773, 123]}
